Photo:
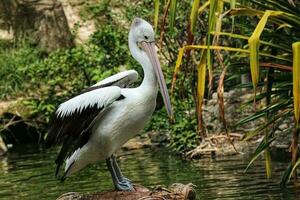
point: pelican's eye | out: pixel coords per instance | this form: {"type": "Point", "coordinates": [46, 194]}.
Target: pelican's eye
{"type": "Point", "coordinates": [146, 37]}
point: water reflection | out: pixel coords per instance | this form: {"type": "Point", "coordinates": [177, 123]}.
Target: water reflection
{"type": "Point", "coordinates": [3, 164]}
{"type": "Point", "coordinates": [28, 173]}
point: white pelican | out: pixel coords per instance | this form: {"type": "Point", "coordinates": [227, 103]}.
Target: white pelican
{"type": "Point", "coordinates": [95, 124]}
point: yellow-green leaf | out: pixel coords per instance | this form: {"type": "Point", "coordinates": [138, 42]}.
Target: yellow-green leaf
{"type": "Point", "coordinates": [268, 163]}
{"type": "Point", "coordinates": [203, 7]}
{"type": "Point", "coordinates": [254, 65]}
{"type": "Point", "coordinates": [212, 18]}
{"type": "Point", "coordinates": [201, 68]}
{"type": "Point", "coordinates": [156, 12]}
{"type": "Point", "coordinates": [240, 50]}
{"type": "Point", "coordinates": [246, 38]}
{"type": "Point", "coordinates": [254, 46]}
{"type": "Point", "coordinates": [194, 14]}
{"type": "Point", "coordinates": [232, 4]}
{"type": "Point", "coordinates": [219, 16]}
{"type": "Point", "coordinates": [177, 67]}
{"type": "Point", "coordinates": [296, 80]}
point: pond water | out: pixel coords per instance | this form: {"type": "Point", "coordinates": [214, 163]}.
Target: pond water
{"type": "Point", "coordinates": [28, 173]}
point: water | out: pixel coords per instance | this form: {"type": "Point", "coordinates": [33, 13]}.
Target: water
{"type": "Point", "coordinates": [27, 173]}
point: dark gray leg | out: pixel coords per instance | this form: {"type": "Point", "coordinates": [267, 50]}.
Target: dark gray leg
{"type": "Point", "coordinates": [118, 171]}
{"type": "Point", "coordinates": [119, 184]}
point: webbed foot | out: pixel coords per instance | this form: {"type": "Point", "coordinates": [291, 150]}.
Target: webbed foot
{"type": "Point", "coordinates": [125, 179]}
{"type": "Point", "coordinates": [124, 185]}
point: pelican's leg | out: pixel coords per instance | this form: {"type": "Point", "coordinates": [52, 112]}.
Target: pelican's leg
{"type": "Point", "coordinates": [119, 184]}
{"type": "Point", "coordinates": [118, 171]}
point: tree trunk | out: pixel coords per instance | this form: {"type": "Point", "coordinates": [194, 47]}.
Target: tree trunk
{"type": "Point", "coordinates": [42, 22]}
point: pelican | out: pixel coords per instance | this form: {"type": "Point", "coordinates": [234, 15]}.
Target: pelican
{"type": "Point", "coordinates": [93, 125]}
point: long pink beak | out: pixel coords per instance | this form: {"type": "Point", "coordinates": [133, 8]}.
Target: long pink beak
{"type": "Point", "coordinates": [149, 48]}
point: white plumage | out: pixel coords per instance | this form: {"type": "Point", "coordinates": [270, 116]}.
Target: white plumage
{"type": "Point", "coordinates": [123, 78]}
{"type": "Point", "coordinates": [100, 97]}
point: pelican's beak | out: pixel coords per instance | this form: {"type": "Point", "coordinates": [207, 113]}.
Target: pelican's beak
{"type": "Point", "coordinates": [149, 48]}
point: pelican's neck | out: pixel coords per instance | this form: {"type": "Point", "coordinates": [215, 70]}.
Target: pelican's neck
{"type": "Point", "coordinates": [143, 59]}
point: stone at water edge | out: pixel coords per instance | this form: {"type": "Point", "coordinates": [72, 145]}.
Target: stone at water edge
{"type": "Point", "coordinates": [3, 148]}
{"type": "Point", "coordinates": [177, 191]}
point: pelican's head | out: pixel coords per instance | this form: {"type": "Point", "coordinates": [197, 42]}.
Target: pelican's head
{"type": "Point", "coordinates": [142, 31]}
{"type": "Point", "coordinates": [142, 34]}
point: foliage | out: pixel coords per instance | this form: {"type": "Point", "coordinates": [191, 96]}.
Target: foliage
{"type": "Point", "coordinates": [13, 60]}
{"type": "Point", "coordinates": [264, 25]}
{"type": "Point", "coordinates": [184, 136]}
{"type": "Point", "coordinates": [183, 132]}
{"type": "Point", "coordinates": [49, 80]}
{"type": "Point", "coordinates": [44, 80]}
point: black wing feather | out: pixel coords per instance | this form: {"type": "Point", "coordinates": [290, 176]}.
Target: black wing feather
{"type": "Point", "coordinates": [72, 137]}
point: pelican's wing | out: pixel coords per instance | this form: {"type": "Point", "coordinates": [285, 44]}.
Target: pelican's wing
{"type": "Point", "coordinates": [122, 79]}
{"type": "Point", "coordinates": [74, 119]}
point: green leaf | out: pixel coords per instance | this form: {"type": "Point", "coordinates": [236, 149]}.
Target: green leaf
{"type": "Point", "coordinates": [264, 144]}
{"type": "Point", "coordinates": [173, 7]}
{"type": "Point", "coordinates": [296, 80]}
{"type": "Point", "coordinates": [273, 107]}
{"type": "Point", "coordinates": [232, 6]}
{"type": "Point", "coordinates": [251, 134]}
{"type": "Point", "coordinates": [156, 13]}
{"type": "Point", "coordinates": [288, 173]}
{"type": "Point", "coordinates": [194, 14]}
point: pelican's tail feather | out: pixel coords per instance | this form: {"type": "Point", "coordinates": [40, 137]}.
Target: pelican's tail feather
{"type": "Point", "coordinates": [66, 173]}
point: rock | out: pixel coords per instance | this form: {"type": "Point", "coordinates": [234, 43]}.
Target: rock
{"type": "Point", "coordinates": [158, 137]}
{"type": "Point", "coordinates": [215, 95]}
{"type": "Point", "coordinates": [137, 143]}
{"type": "Point", "coordinates": [83, 29]}
{"type": "Point", "coordinates": [220, 145]}
{"type": "Point", "coordinates": [228, 94]}
{"type": "Point", "coordinates": [235, 110]}
{"type": "Point", "coordinates": [177, 191]}
{"type": "Point", "coordinates": [5, 105]}
{"type": "Point", "coordinates": [43, 22]}
{"type": "Point", "coordinates": [147, 140]}
{"type": "Point", "coordinates": [283, 126]}
{"type": "Point", "coordinates": [3, 148]}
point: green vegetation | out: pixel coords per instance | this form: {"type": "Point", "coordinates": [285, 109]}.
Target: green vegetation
{"type": "Point", "coordinates": [46, 80]}
{"type": "Point", "coordinates": [13, 62]}
{"type": "Point", "coordinates": [271, 28]}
